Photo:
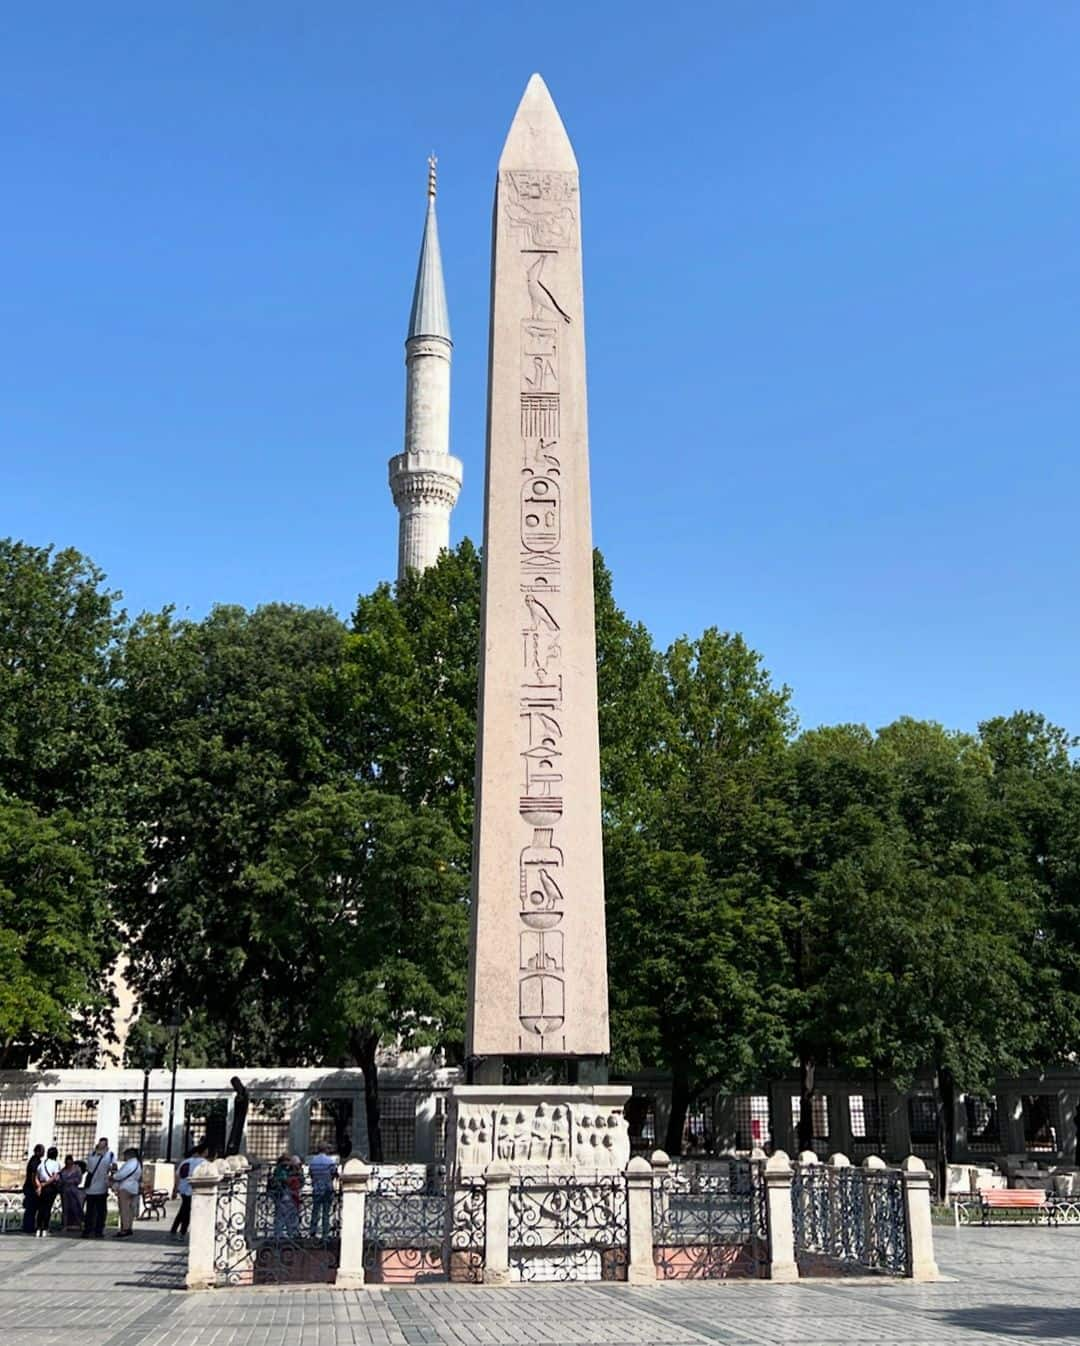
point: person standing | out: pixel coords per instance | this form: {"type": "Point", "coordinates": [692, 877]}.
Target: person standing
{"type": "Point", "coordinates": [323, 1171]}
{"type": "Point", "coordinates": [127, 1182]}
{"type": "Point", "coordinates": [48, 1185]}
{"type": "Point", "coordinates": [71, 1198]}
{"type": "Point", "coordinates": [277, 1186]}
{"type": "Point", "coordinates": [183, 1189]}
{"type": "Point", "coordinates": [99, 1163]}
{"type": "Point", "coordinates": [29, 1222]}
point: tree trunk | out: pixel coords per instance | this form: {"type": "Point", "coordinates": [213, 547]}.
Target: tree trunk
{"type": "Point", "coordinates": [365, 1046]}
{"type": "Point", "coordinates": [680, 1103]}
{"type": "Point", "coordinates": [807, 1074]}
{"type": "Point", "coordinates": [945, 1113]}
{"type": "Point", "coordinates": [341, 1111]}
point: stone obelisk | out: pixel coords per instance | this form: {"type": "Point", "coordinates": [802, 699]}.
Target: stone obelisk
{"type": "Point", "coordinates": [538, 1001]}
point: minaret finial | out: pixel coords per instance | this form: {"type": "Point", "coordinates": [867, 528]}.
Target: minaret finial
{"type": "Point", "coordinates": [432, 164]}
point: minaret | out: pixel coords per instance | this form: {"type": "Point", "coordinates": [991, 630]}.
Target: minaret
{"type": "Point", "coordinates": [426, 479]}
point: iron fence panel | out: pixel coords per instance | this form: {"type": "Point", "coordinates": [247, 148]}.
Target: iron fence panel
{"type": "Point", "coordinates": [710, 1220]}
{"type": "Point", "coordinates": [423, 1223]}
{"type": "Point", "coordinates": [568, 1228]}
{"type": "Point", "coordinates": [266, 1233]}
{"type": "Point", "coordinates": [851, 1216]}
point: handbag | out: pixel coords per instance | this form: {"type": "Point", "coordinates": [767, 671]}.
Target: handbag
{"type": "Point", "coordinates": [91, 1173]}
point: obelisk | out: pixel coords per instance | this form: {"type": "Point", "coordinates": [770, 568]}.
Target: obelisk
{"type": "Point", "coordinates": [538, 1000]}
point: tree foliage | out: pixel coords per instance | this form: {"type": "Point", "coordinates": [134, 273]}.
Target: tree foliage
{"type": "Point", "coordinates": [64, 833]}
{"type": "Point", "coordinates": [272, 812]}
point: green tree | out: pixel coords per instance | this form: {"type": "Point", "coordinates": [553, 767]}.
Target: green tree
{"type": "Point", "coordinates": [901, 933]}
{"type": "Point", "coordinates": [65, 832]}
{"type": "Point", "coordinates": [50, 971]}
{"type": "Point", "coordinates": [1035, 796]}
{"type": "Point", "coordinates": [364, 907]}
{"type": "Point", "coordinates": [679, 874]}
{"type": "Point", "coordinates": [231, 725]}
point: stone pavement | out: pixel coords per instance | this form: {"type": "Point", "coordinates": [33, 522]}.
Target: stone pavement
{"type": "Point", "coordinates": [1010, 1286]}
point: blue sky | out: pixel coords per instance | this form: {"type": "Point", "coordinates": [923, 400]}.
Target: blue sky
{"type": "Point", "coordinates": [832, 288]}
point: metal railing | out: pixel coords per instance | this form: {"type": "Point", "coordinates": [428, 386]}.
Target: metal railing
{"type": "Point", "coordinates": [565, 1227]}
{"type": "Point", "coordinates": [854, 1217]}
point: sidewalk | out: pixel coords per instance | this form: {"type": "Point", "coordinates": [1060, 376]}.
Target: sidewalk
{"type": "Point", "coordinates": [1011, 1285]}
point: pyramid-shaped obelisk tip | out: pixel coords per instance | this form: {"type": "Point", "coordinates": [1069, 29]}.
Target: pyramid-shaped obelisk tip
{"type": "Point", "coordinates": [537, 137]}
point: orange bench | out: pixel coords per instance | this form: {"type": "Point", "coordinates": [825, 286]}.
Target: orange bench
{"type": "Point", "coordinates": [1015, 1198]}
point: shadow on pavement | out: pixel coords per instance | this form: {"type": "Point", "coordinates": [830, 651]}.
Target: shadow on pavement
{"type": "Point", "coordinates": [1038, 1324]}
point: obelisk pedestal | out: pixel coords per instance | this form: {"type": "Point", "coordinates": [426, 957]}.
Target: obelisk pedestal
{"type": "Point", "coordinates": [538, 1000]}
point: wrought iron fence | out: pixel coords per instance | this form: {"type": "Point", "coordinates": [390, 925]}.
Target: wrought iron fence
{"type": "Point", "coordinates": [269, 1230]}
{"type": "Point", "coordinates": [422, 1224]}
{"type": "Point", "coordinates": [566, 1228]}
{"type": "Point", "coordinates": [851, 1216]}
{"type": "Point", "coordinates": [710, 1220]}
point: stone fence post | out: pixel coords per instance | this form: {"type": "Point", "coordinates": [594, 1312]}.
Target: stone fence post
{"type": "Point", "coordinates": [641, 1269]}
{"type": "Point", "coordinates": [204, 1192]}
{"type": "Point", "coordinates": [778, 1174]}
{"type": "Point", "coordinates": [922, 1265]}
{"type": "Point", "coordinates": [355, 1176]}
{"type": "Point", "coordinates": [661, 1166]}
{"type": "Point", "coordinates": [497, 1223]}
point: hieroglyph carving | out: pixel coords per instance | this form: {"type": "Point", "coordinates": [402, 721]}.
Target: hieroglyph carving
{"type": "Point", "coordinates": [542, 210]}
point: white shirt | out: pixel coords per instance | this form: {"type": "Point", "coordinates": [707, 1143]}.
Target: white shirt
{"type": "Point", "coordinates": [47, 1170]}
{"type": "Point", "coordinates": [183, 1184]}
{"type": "Point", "coordinates": [128, 1176]}
{"type": "Point", "coordinates": [97, 1166]}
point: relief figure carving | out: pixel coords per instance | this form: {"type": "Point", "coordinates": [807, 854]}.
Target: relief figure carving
{"type": "Point", "coordinates": [540, 297]}
{"type": "Point", "coordinates": [554, 227]}
{"type": "Point", "coordinates": [540, 618]}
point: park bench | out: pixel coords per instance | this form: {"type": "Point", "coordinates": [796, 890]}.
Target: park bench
{"type": "Point", "coordinates": [153, 1204]}
{"type": "Point", "coordinates": [1017, 1199]}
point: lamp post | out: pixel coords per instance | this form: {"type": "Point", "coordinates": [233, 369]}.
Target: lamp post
{"type": "Point", "coordinates": [175, 1026]}
{"type": "Point", "coordinates": [148, 1061]}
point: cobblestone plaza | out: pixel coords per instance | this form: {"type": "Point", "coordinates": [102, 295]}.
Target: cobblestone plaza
{"type": "Point", "coordinates": [1005, 1285]}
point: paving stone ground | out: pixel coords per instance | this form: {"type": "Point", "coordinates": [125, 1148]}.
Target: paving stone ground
{"type": "Point", "coordinates": [1008, 1286]}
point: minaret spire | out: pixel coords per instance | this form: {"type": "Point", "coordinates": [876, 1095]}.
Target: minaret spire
{"type": "Point", "coordinates": [425, 480]}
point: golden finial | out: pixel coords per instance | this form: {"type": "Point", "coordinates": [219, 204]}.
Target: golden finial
{"type": "Point", "coordinates": [431, 166]}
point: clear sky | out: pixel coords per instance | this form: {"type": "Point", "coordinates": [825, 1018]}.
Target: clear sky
{"type": "Point", "coordinates": [832, 285]}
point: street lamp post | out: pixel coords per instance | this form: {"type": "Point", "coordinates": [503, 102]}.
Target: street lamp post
{"type": "Point", "coordinates": [147, 1063]}
{"type": "Point", "coordinates": [175, 1026]}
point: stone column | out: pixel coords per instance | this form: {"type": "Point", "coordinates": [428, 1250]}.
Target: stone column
{"type": "Point", "coordinates": [778, 1173]}
{"type": "Point", "coordinates": [639, 1196]}
{"type": "Point", "coordinates": [354, 1185]}
{"type": "Point", "coordinates": [497, 1223]}
{"type": "Point", "coordinates": [43, 1121]}
{"type": "Point", "coordinates": [921, 1263]}
{"type": "Point", "coordinates": [108, 1119]}
{"type": "Point", "coordinates": [204, 1191]}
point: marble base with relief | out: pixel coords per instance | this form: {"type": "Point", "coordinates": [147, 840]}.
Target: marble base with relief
{"type": "Point", "coordinates": [533, 1128]}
